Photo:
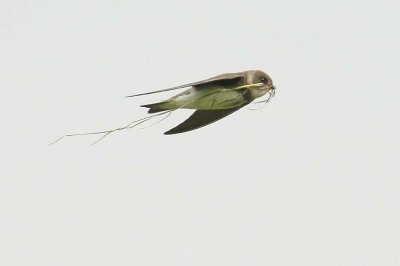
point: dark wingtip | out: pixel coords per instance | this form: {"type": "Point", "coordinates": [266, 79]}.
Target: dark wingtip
{"type": "Point", "coordinates": [170, 132]}
{"type": "Point", "coordinates": [134, 95]}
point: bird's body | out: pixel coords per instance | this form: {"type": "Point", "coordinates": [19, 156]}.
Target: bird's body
{"type": "Point", "coordinates": [202, 99]}
{"type": "Point", "coordinates": [214, 98]}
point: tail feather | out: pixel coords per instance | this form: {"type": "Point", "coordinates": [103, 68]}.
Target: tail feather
{"type": "Point", "coordinates": [155, 107]}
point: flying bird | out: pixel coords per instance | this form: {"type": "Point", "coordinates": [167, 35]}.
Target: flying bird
{"type": "Point", "coordinates": [213, 99]}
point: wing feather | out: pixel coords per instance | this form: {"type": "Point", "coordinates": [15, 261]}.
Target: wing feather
{"type": "Point", "coordinates": [201, 118]}
{"type": "Point", "coordinates": [220, 80]}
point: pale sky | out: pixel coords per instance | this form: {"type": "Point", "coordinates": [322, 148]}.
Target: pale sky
{"type": "Point", "coordinates": [310, 179]}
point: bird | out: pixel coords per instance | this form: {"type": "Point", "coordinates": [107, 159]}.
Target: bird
{"type": "Point", "coordinates": [213, 98]}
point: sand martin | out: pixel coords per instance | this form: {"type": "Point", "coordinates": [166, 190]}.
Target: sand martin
{"type": "Point", "coordinates": [213, 99]}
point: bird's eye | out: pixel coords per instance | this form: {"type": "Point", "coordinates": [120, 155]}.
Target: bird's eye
{"type": "Point", "coordinates": [264, 80]}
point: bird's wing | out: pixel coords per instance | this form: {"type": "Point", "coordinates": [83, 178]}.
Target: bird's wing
{"type": "Point", "coordinates": [220, 80]}
{"type": "Point", "coordinates": [201, 118]}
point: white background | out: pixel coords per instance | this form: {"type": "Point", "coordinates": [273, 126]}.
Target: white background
{"type": "Point", "coordinates": [311, 179]}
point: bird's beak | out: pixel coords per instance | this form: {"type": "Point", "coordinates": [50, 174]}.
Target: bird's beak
{"type": "Point", "coordinates": [271, 91]}
{"type": "Point", "coordinates": [271, 88]}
